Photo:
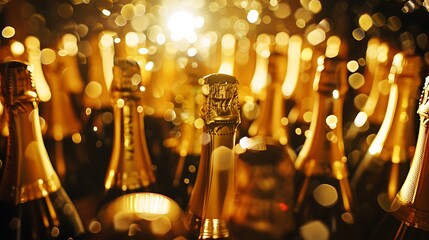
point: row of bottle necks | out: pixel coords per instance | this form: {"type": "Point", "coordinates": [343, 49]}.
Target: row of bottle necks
{"type": "Point", "coordinates": [86, 165]}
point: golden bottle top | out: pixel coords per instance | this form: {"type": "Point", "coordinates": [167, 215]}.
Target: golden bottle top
{"type": "Point", "coordinates": [29, 173]}
{"type": "Point", "coordinates": [130, 164]}
{"type": "Point", "coordinates": [126, 78]}
{"type": "Point", "coordinates": [211, 201]}
{"type": "Point", "coordinates": [410, 204]}
{"type": "Point", "coordinates": [221, 107]}
{"type": "Point", "coordinates": [17, 82]}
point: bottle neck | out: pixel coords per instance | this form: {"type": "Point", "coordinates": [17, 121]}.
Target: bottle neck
{"type": "Point", "coordinates": [376, 104]}
{"type": "Point", "coordinates": [189, 140]}
{"type": "Point", "coordinates": [213, 195]}
{"type": "Point", "coordinates": [28, 173]}
{"type": "Point", "coordinates": [324, 146]}
{"type": "Point", "coordinates": [396, 132]}
{"type": "Point", "coordinates": [130, 163]}
{"type": "Point", "coordinates": [59, 113]}
{"type": "Point", "coordinates": [272, 121]}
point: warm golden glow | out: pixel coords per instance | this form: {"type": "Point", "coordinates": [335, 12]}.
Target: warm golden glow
{"type": "Point", "coordinates": [352, 66]}
{"type": "Point", "coordinates": [356, 80]}
{"type": "Point", "coordinates": [381, 136]}
{"type": "Point", "coordinates": [332, 46]}
{"type": "Point", "coordinates": [316, 36]}
{"type": "Point", "coordinates": [332, 121]}
{"type": "Point", "coordinates": [8, 32]}
{"type": "Point", "coordinates": [365, 22]}
{"type": "Point", "coordinates": [182, 25]}
{"type": "Point", "coordinates": [291, 78]}
{"type": "Point", "coordinates": [107, 51]}
{"type": "Point", "coordinates": [259, 80]}
{"type": "Point", "coordinates": [34, 59]}
{"type": "Point", "coordinates": [360, 119]}
{"type": "Point", "coordinates": [17, 48]}
{"type": "Point", "coordinates": [253, 16]}
{"type": "Point", "coordinates": [69, 42]}
{"type": "Point", "coordinates": [306, 54]}
{"type": "Point", "coordinates": [228, 49]}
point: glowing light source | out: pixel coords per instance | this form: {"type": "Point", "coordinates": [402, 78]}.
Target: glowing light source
{"type": "Point", "coordinates": [253, 16]}
{"type": "Point", "coordinates": [259, 80]}
{"type": "Point", "coordinates": [365, 22]}
{"type": "Point", "coordinates": [17, 48]}
{"type": "Point", "coordinates": [34, 59]}
{"type": "Point", "coordinates": [182, 26]}
{"type": "Point", "coordinates": [8, 32]}
{"type": "Point", "coordinates": [228, 50]}
{"type": "Point", "coordinates": [292, 72]}
{"type": "Point", "coordinates": [316, 36]}
{"type": "Point", "coordinates": [333, 46]}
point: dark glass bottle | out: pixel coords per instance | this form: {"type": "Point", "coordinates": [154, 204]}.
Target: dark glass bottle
{"type": "Point", "coordinates": [325, 204]}
{"type": "Point", "coordinates": [185, 153]}
{"type": "Point", "coordinates": [385, 165]}
{"type": "Point", "coordinates": [130, 164]}
{"type": "Point", "coordinates": [97, 109]}
{"type": "Point", "coordinates": [211, 200]}
{"type": "Point", "coordinates": [265, 170]}
{"type": "Point", "coordinates": [33, 203]}
{"type": "Point", "coordinates": [300, 112]}
{"type": "Point", "coordinates": [362, 130]}
{"type": "Point", "coordinates": [408, 216]}
{"type": "Point", "coordinates": [64, 137]}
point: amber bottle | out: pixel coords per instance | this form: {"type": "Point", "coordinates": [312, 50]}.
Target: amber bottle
{"type": "Point", "coordinates": [325, 204]}
{"type": "Point", "coordinates": [407, 217]}
{"type": "Point", "coordinates": [265, 170]}
{"type": "Point", "coordinates": [33, 205]}
{"type": "Point", "coordinates": [130, 168]}
{"type": "Point", "coordinates": [385, 165]}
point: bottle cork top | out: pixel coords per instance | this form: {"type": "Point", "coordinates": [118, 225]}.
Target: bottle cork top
{"type": "Point", "coordinates": [17, 83]}
{"type": "Point", "coordinates": [221, 106]}
{"type": "Point", "coordinates": [126, 78]}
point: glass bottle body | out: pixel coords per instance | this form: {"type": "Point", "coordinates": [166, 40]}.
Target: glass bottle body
{"type": "Point", "coordinates": [325, 203]}
{"type": "Point", "coordinates": [212, 198]}
{"type": "Point", "coordinates": [50, 217]}
{"type": "Point", "coordinates": [265, 171]}
{"type": "Point", "coordinates": [130, 166]}
{"type": "Point", "coordinates": [264, 199]}
{"type": "Point", "coordinates": [384, 167]}
{"type": "Point", "coordinates": [33, 203]}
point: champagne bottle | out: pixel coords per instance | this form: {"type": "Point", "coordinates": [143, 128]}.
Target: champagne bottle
{"type": "Point", "coordinates": [185, 153]}
{"type": "Point", "coordinates": [385, 165]}
{"type": "Point", "coordinates": [98, 112]}
{"type": "Point", "coordinates": [265, 174]}
{"type": "Point", "coordinates": [33, 203]}
{"type": "Point", "coordinates": [211, 200]}
{"type": "Point", "coordinates": [368, 120]}
{"type": "Point", "coordinates": [408, 215]}
{"type": "Point", "coordinates": [64, 138]}
{"type": "Point", "coordinates": [130, 164]}
{"type": "Point", "coordinates": [325, 202]}
{"type": "Point", "coordinates": [301, 110]}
